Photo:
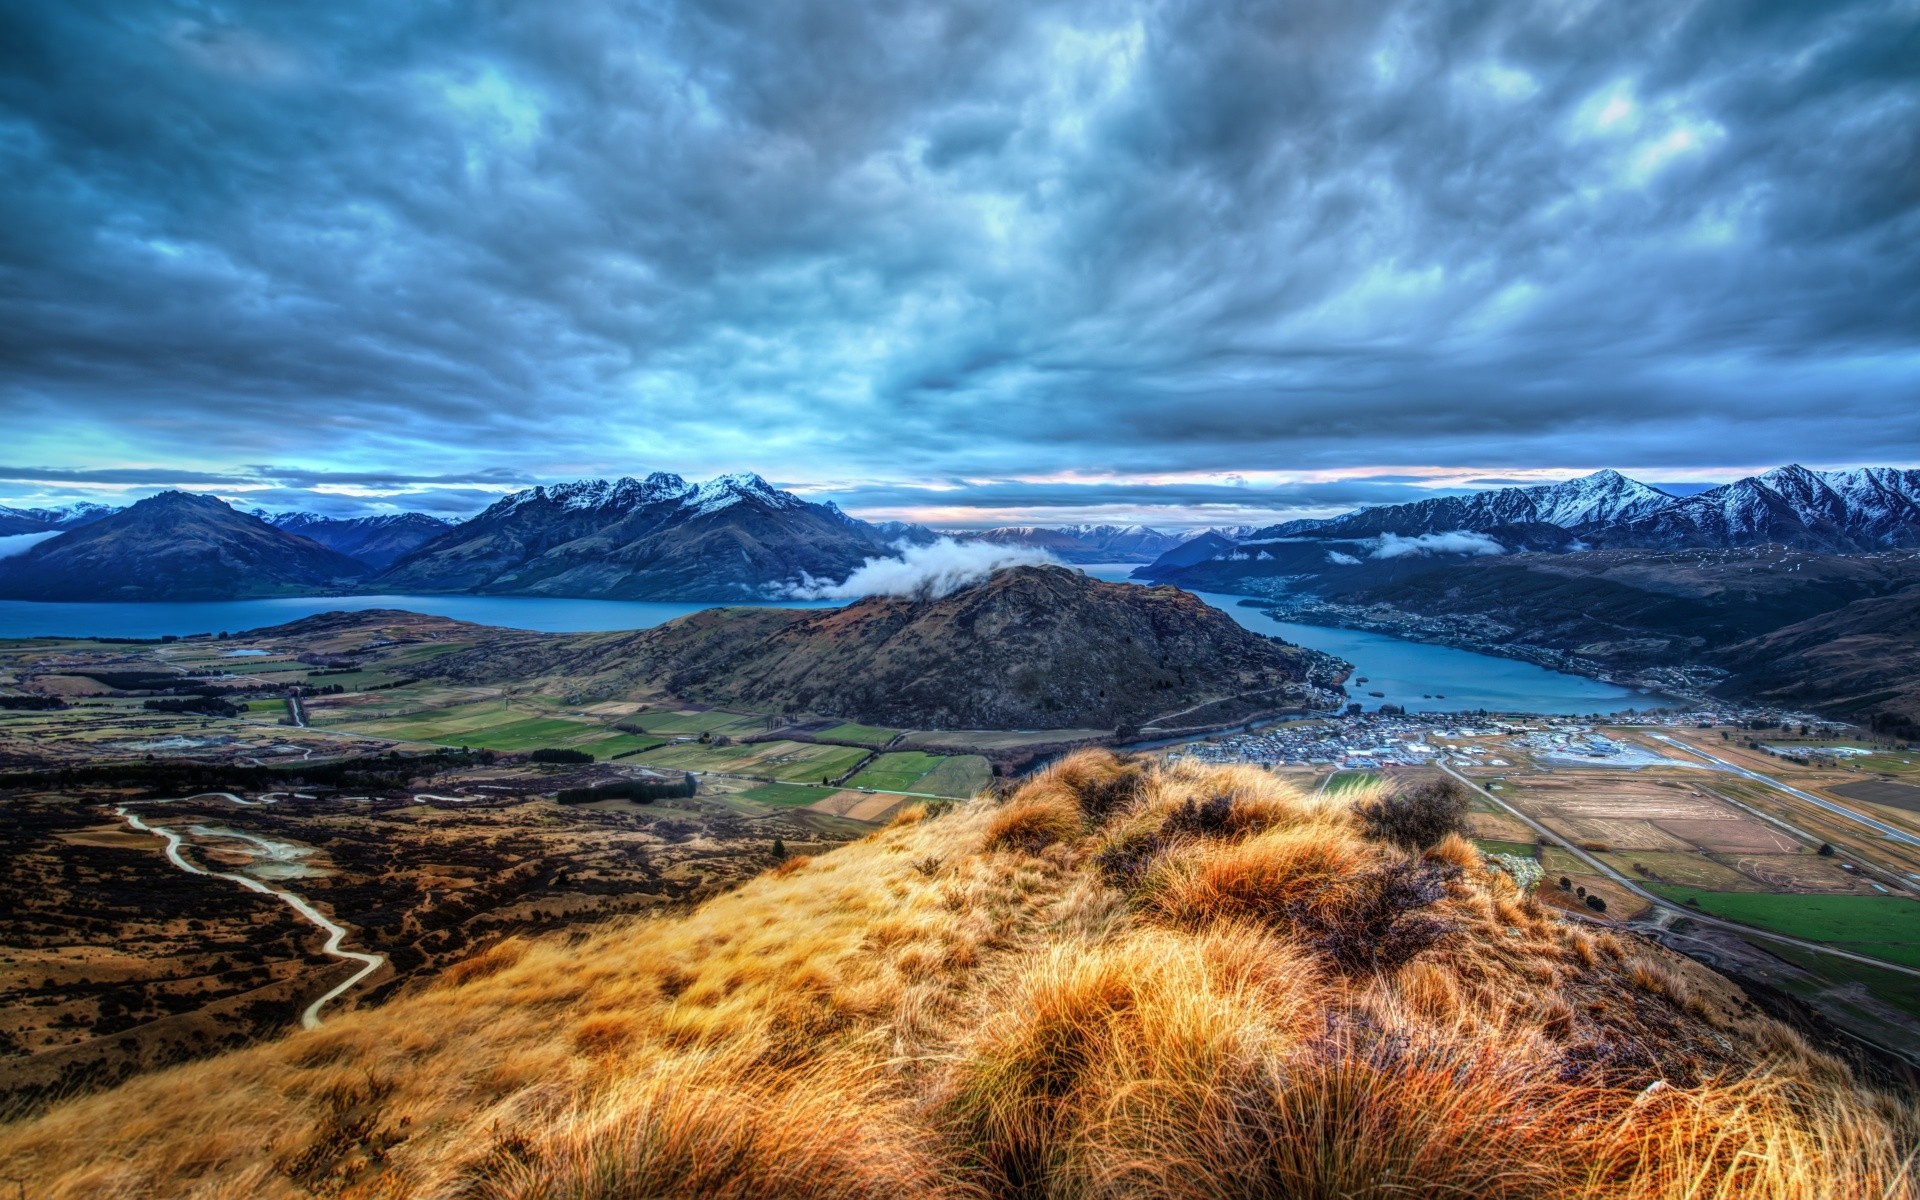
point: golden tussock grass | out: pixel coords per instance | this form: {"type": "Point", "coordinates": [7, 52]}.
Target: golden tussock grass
{"type": "Point", "coordinates": [1121, 981]}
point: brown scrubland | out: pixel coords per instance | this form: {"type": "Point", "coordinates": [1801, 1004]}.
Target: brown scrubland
{"type": "Point", "coordinates": [1120, 980]}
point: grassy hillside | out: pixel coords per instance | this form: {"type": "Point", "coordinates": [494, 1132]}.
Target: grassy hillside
{"type": "Point", "coordinates": [1117, 982]}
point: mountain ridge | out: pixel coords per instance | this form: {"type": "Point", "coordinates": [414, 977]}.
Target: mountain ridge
{"type": "Point", "coordinates": [175, 546]}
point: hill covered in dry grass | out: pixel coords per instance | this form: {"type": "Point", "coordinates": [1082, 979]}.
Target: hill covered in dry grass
{"type": "Point", "coordinates": [1119, 981]}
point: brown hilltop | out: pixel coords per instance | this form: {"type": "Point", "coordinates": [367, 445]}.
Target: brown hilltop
{"type": "Point", "coordinates": [1029, 648]}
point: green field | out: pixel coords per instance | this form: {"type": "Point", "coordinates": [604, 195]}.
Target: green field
{"type": "Point", "coordinates": [619, 744]}
{"type": "Point", "coordinates": [1496, 846]}
{"type": "Point", "coordinates": [714, 720]}
{"type": "Point", "coordinates": [1881, 926]}
{"type": "Point", "coordinates": [896, 772]}
{"type": "Point", "coordinates": [1342, 780]}
{"type": "Point", "coordinates": [493, 725]}
{"type": "Point", "coordinates": [852, 731]}
{"type": "Point", "coordinates": [787, 795]}
{"type": "Point", "coordinates": [1900, 991]}
{"type": "Point", "coordinates": [959, 776]}
{"type": "Point", "coordinates": [811, 763]}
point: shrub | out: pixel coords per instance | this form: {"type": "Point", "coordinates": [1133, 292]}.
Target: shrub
{"type": "Point", "coordinates": [1034, 822]}
{"type": "Point", "coordinates": [640, 791]}
{"type": "Point", "coordinates": [556, 755]}
{"type": "Point", "coordinates": [1418, 816]}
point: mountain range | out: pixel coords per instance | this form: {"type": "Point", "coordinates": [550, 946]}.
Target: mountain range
{"type": "Point", "coordinates": [376, 541]}
{"type": "Point", "coordinates": [660, 538]}
{"type": "Point", "coordinates": [739, 538]}
{"type": "Point", "coordinates": [43, 520]}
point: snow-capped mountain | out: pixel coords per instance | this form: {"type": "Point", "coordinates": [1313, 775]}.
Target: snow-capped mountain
{"type": "Point", "coordinates": [375, 541]}
{"type": "Point", "coordinates": [1086, 543]}
{"type": "Point", "coordinates": [42, 520]}
{"type": "Point", "coordinates": [658, 538]}
{"type": "Point", "coordinates": [1577, 505]}
{"type": "Point", "coordinates": [1868, 508]}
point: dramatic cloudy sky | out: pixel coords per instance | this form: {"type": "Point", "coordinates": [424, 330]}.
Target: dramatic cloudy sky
{"type": "Point", "coordinates": [966, 260]}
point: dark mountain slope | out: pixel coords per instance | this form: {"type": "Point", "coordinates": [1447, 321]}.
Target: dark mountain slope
{"type": "Point", "coordinates": [1031, 648]}
{"type": "Point", "coordinates": [1629, 605]}
{"type": "Point", "coordinates": [1857, 661]}
{"type": "Point", "coordinates": [175, 546]}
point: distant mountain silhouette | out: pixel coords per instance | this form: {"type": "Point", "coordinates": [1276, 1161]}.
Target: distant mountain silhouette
{"type": "Point", "coordinates": [175, 546]}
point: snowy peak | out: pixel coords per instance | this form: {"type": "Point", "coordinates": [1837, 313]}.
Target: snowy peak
{"type": "Point", "coordinates": [1575, 505]}
{"type": "Point", "coordinates": [729, 490]}
{"type": "Point", "coordinates": [1604, 496]}
{"type": "Point", "coordinates": [1864, 509]}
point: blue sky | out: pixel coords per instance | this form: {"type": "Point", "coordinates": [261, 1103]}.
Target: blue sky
{"type": "Point", "coordinates": [970, 262]}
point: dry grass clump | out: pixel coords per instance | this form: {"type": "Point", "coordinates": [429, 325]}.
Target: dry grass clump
{"type": "Point", "coordinates": [1123, 981]}
{"type": "Point", "coordinates": [719, 1129]}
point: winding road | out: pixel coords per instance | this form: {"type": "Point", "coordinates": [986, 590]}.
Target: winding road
{"type": "Point", "coordinates": [336, 934]}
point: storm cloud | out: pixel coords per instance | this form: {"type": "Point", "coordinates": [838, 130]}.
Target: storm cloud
{"type": "Point", "coordinates": [1044, 252]}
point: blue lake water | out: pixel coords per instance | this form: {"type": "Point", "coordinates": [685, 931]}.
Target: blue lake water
{"type": "Point", "coordinates": [1420, 677]}
{"type": "Point", "coordinates": [1426, 678]}
{"type": "Point", "coordinates": [32, 618]}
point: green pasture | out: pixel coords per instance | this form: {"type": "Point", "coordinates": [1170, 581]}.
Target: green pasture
{"type": "Point", "coordinates": [715, 720]}
{"type": "Point", "coordinates": [1343, 780]}
{"type": "Point", "coordinates": [1881, 926]}
{"type": "Point", "coordinates": [958, 775]}
{"type": "Point", "coordinates": [853, 731]}
{"type": "Point", "coordinates": [897, 772]}
{"type": "Point", "coordinates": [787, 795]}
{"type": "Point", "coordinates": [1496, 846]}
{"type": "Point", "coordinates": [811, 763]}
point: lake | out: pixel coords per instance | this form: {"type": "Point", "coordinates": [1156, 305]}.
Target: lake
{"type": "Point", "coordinates": [1422, 677]}
{"type": "Point", "coordinates": [33, 618]}
{"type": "Point", "coordinates": [1418, 676]}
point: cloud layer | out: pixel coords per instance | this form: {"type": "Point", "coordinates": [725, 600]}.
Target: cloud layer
{"type": "Point", "coordinates": [877, 246]}
{"type": "Point", "coordinates": [927, 572]}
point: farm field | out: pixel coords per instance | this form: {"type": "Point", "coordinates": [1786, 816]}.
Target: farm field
{"type": "Point", "coordinates": [685, 723]}
{"type": "Point", "coordinates": [1883, 926]}
{"type": "Point", "coordinates": [852, 731]}
{"type": "Point", "coordinates": [1000, 739]}
{"type": "Point", "coordinates": [958, 776]}
{"type": "Point", "coordinates": [896, 772]}
{"type": "Point", "coordinates": [788, 762]}
{"type": "Point", "coordinates": [787, 795]}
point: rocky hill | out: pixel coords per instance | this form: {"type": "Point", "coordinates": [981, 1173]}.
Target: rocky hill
{"type": "Point", "coordinates": [658, 538]}
{"type": "Point", "coordinates": [1030, 648]}
{"type": "Point", "coordinates": [1119, 982]}
{"type": "Point", "coordinates": [175, 546]}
